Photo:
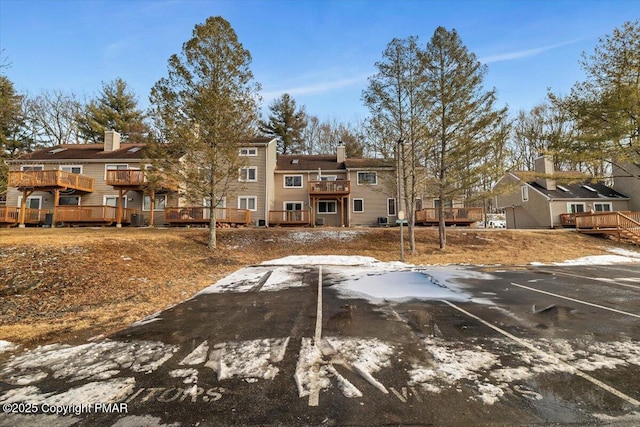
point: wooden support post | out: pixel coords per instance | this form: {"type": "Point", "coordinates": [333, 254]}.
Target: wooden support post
{"type": "Point", "coordinates": [23, 208]}
{"type": "Point", "coordinates": [56, 202]}
{"type": "Point", "coordinates": [152, 197]}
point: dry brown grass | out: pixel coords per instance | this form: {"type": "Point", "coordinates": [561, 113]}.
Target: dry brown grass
{"type": "Point", "coordinates": [71, 284]}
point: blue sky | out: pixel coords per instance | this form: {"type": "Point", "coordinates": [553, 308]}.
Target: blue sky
{"type": "Point", "coordinates": [320, 52]}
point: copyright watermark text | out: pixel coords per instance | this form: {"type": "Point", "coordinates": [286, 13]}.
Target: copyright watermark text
{"type": "Point", "coordinates": [90, 408]}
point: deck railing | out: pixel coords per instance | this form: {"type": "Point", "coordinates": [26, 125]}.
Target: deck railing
{"type": "Point", "coordinates": [125, 177]}
{"type": "Point", "coordinates": [50, 178]}
{"type": "Point", "coordinates": [11, 215]}
{"type": "Point", "coordinates": [296, 217]}
{"type": "Point", "coordinates": [451, 215]}
{"type": "Point", "coordinates": [600, 220]}
{"type": "Point", "coordinates": [329, 187]}
{"type": "Point", "coordinates": [201, 215]}
{"type": "Point", "coordinates": [96, 214]}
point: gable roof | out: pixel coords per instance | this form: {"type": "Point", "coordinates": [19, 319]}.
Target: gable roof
{"type": "Point", "coordinates": [66, 152]}
{"type": "Point", "coordinates": [293, 162]}
{"type": "Point", "coordinates": [582, 190]}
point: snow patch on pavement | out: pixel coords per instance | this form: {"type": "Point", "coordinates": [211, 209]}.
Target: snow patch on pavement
{"type": "Point", "coordinates": [6, 346]}
{"type": "Point", "coordinates": [91, 361]}
{"type": "Point", "coordinates": [621, 256]}
{"type": "Point", "coordinates": [323, 260]}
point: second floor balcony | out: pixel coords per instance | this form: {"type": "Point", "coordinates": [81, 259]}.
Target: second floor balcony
{"type": "Point", "coordinates": [125, 178]}
{"type": "Point", "coordinates": [50, 179]}
{"type": "Point", "coordinates": [339, 187]}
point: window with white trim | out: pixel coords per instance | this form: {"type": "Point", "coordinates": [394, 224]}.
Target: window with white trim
{"type": "Point", "coordinates": [358, 205]}
{"type": "Point", "coordinates": [524, 190]}
{"type": "Point", "coordinates": [248, 202]}
{"type": "Point", "coordinates": [327, 206]}
{"type": "Point", "coordinates": [33, 202]}
{"type": "Point", "coordinates": [391, 207]}
{"type": "Point", "coordinates": [159, 204]}
{"type": "Point", "coordinates": [113, 201]}
{"type": "Point", "coordinates": [77, 169]}
{"type": "Point", "coordinates": [293, 181]}
{"type": "Point", "coordinates": [248, 151]}
{"type": "Point", "coordinates": [367, 178]}
{"type": "Point", "coordinates": [115, 167]}
{"type": "Point", "coordinates": [602, 207]}
{"type": "Point", "coordinates": [249, 174]}
{"type": "Point", "coordinates": [575, 207]}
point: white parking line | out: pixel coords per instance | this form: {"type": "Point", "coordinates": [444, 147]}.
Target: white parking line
{"type": "Point", "coordinates": [314, 387]}
{"type": "Point", "coordinates": [577, 300]}
{"type": "Point", "coordinates": [533, 348]}
{"type": "Point", "coordinates": [597, 279]}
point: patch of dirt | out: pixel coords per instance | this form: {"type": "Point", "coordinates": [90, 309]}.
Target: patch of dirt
{"type": "Point", "coordinates": [73, 284]}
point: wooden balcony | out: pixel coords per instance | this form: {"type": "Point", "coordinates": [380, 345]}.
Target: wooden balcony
{"type": "Point", "coordinates": [329, 188]}
{"type": "Point", "coordinates": [125, 178]}
{"type": "Point", "coordinates": [50, 180]}
{"type": "Point", "coordinates": [623, 225]}
{"type": "Point", "coordinates": [99, 214]}
{"type": "Point", "coordinates": [290, 218]}
{"type": "Point", "coordinates": [452, 216]}
{"type": "Point", "coordinates": [11, 216]}
{"type": "Point", "coordinates": [200, 215]}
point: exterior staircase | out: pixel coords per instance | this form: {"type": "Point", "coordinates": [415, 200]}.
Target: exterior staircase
{"type": "Point", "coordinates": [625, 226]}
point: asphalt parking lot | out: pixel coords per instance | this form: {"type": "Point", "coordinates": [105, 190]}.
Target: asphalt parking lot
{"type": "Point", "coordinates": [351, 341]}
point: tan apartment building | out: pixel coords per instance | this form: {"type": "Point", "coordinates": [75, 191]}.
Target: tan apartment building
{"type": "Point", "coordinates": [106, 184]}
{"type": "Point", "coordinates": [546, 198]}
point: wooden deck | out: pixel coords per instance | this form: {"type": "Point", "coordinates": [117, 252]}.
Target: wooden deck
{"type": "Point", "coordinates": [99, 214]}
{"type": "Point", "coordinates": [198, 215]}
{"type": "Point", "coordinates": [329, 188]}
{"type": "Point", "coordinates": [452, 216]}
{"type": "Point", "coordinates": [622, 225]}
{"type": "Point", "coordinates": [290, 218]}
{"type": "Point", "coordinates": [49, 180]}
{"type": "Point", "coordinates": [125, 178]}
{"type": "Point", "coordinates": [10, 216]}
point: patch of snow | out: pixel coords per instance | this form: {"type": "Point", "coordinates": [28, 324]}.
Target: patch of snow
{"type": "Point", "coordinates": [247, 359]}
{"type": "Point", "coordinates": [398, 286]}
{"type": "Point", "coordinates": [622, 256]}
{"type": "Point", "coordinates": [316, 236]}
{"type": "Point", "coordinates": [197, 356]}
{"type": "Point", "coordinates": [7, 346]}
{"type": "Point", "coordinates": [112, 391]}
{"type": "Point", "coordinates": [323, 260]}
{"type": "Point", "coordinates": [316, 367]}
{"type": "Point", "coordinates": [146, 420]}
{"type": "Point", "coordinates": [91, 361]}
{"type": "Point", "coordinates": [190, 375]}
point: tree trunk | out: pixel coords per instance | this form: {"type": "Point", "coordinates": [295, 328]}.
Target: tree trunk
{"type": "Point", "coordinates": [212, 227]}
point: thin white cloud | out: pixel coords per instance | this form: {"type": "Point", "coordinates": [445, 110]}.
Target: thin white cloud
{"type": "Point", "coordinates": [523, 53]}
{"type": "Point", "coordinates": [315, 88]}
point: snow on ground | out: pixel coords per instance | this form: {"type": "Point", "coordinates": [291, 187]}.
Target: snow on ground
{"type": "Point", "coordinates": [621, 256]}
{"type": "Point", "coordinates": [324, 260]}
{"type": "Point", "coordinates": [91, 361]}
{"type": "Point", "coordinates": [480, 366]}
{"type": "Point", "coordinates": [6, 346]}
{"type": "Point", "coordinates": [317, 363]}
{"type": "Point", "coordinates": [315, 236]}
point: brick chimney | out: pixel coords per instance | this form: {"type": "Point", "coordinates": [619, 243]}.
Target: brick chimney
{"type": "Point", "coordinates": [342, 153]}
{"type": "Point", "coordinates": [544, 168]}
{"type": "Point", "coordinates": [111, 140]}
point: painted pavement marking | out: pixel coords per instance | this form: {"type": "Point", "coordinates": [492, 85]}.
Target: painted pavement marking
{"type": "Point", "coordinates": [597, 279]}
{"type": "Point", "coordinates": [551, 356]}
{"type": "Point", "coordinates": [314, 395]}
{"type": "Point", "coordinates": [577, 300]}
